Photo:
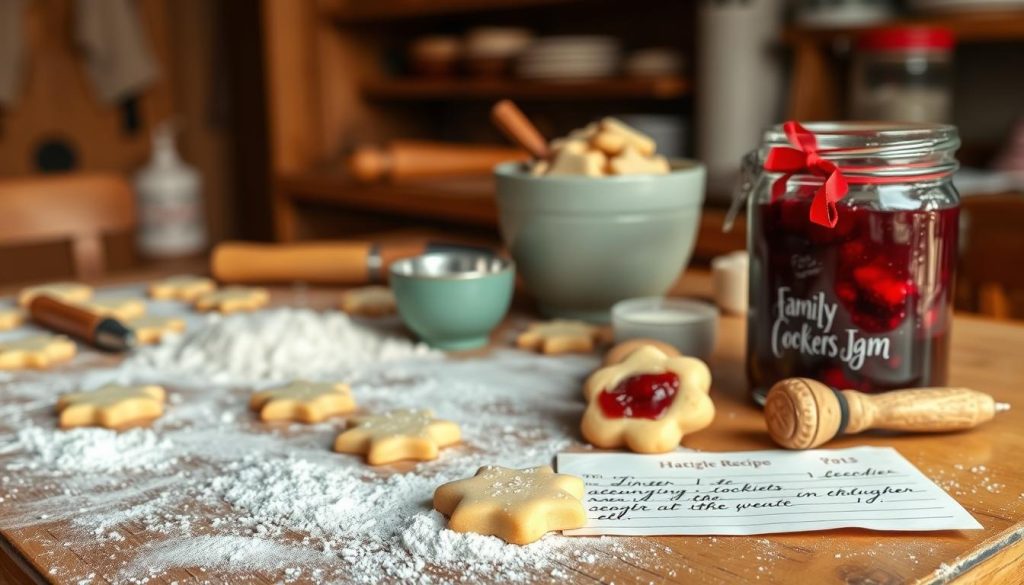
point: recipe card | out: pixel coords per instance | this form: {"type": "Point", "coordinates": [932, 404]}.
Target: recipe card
{"type": "Point", "coordinates": [758, 492]}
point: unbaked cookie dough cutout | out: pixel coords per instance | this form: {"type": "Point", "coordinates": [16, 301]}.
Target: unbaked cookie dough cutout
{"type": "Point", "coordinates": [368, 301]}
{"type": "Point", "coordinates": [516, 505]}
{"type": "Point", "coordinates": [120, 308]}
{"type": "Point", "coordinates": [69, 292]}
{"type": "Point", "coordinates": [11, 318]}
{"type": "Point", "coordinates": [150, 329]}
{"type": "Point", "coordinates": [398, 435]}
{"type": "Point", "coordinates": [36, 352]}
{"type": "Point", "coordinates": [181, 287]}
{"type": "Point", "coordinates": [647, 402]}
{"type": "Point", "coordinates": [233, 299]}
{"type": "Point", "coordinates": [303, 401]}
{"type": "Point", "coordinates": [561, 336]}
{"type": "Point", "coordinates": [111, 406]}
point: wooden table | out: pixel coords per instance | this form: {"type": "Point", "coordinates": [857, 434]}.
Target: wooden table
{"type": "Point", "coordinates": [982, 469]}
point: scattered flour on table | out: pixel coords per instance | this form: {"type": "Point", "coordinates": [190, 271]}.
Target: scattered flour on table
{"type": "Point", "coordinates": [276, 344]}
{"type": "Point", "coordinates": [221, 492]}
{"type": "Point", "coordinates": [88, 450]}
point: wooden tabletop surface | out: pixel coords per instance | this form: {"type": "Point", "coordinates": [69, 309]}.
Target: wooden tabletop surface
{"type": "Point", "coordinates": [980, 468]}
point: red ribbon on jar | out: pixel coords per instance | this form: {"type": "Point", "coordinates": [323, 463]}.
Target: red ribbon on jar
{"type": "Point", "coordinates": [803, 158]}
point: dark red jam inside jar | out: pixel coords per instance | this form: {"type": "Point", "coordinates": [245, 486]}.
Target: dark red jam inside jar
{"type": "Point", "coordinates": [866, 304]}
{"type": "Point", "coordinates": [640, 396]}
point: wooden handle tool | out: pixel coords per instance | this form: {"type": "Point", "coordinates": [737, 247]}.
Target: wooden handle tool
{"type": "Point", "coordinates": [802, 414]}
{"type": "Point", "coordinates": [519, 129]}
{"type": "Point", "coordinates": [332, 262]}
{"type": "Point", "coordinates": [103, 332]}
{"type": "Point", "coordinates": [405, 160]}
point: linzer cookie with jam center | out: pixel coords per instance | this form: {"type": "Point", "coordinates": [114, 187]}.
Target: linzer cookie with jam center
{"type": "Point", "coordinates": [647, 402]}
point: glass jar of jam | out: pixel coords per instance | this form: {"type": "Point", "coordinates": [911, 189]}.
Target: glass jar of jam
{"type": "Point", "coordinates": [852, 234]}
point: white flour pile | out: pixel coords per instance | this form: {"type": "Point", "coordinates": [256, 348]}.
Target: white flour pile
{"type": "Point", "coordinates": [218, 492]}
{"type": "Point", "coordinates": [274, 345]}
{"type": "Point", "coordinates": [88, 450]}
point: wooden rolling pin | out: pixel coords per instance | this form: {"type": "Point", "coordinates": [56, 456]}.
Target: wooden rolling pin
{"type": "Point", "coordinates": [337, 262]}
{"type": "Point", "coordinates": [803, 414]}
{"type": "Point", "coordinates": [402, 160]}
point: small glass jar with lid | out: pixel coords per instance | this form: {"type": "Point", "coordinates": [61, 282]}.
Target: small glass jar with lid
{"type": "Point", "coordinates": [903, 74]}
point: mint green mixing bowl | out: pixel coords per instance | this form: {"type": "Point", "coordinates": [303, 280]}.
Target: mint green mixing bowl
{"type": "Point", "coordinates": [581, 244]}
{"type": "Point", "coordinates": [453, 300]}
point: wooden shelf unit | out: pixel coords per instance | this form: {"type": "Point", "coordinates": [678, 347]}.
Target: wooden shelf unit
{"type": "Point", "coordinates": [970, 27]}
{"type": "Point", "coordinates": [363, 11]}
{"type": "Point", "coordinates": [660, 88]}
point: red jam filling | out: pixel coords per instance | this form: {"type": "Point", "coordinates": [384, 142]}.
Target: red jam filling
{"type": "Point", "coordinates": [641, 396]}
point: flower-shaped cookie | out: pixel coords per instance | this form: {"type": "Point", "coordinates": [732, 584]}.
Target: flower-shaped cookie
{"type": "Point", "coordinates": [121, 309]}
{"type": "Point", "coordinates": [151, 328]}
{"type": "Point", "coordinates": [232, 299]}
{"type": "Point", "coordinates": [624, 349]}
{"type": "Point", "coordinates": [111, 406]}
{"type": "Point", "coordinates": [647, 402]}
{"type": "Point", "coordinates": [560, 336]}
{"type": "Point", "coordinates": [397, 435]}
{"type": "Point", "coordinates": [302, 401]}
{"type": "Point", "coordinates": [37, 351]}
{"type": "Point", "coordinates": [516, 505]}
{"type": "Point", "coordinates": [69, 292]}
{"type": "Point", "coordinates": [183, 287]}
{"type": "Point", "coordinates": [368, 301]}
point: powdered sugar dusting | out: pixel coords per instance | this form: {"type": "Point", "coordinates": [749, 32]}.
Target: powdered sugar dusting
{"type": "Point", "coordinates": [211, 489]}
{"type": "Point", "coordinates": [279, 344]}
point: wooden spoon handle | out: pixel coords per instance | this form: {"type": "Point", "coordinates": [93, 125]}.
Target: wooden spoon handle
{"type": "Point", "coordinates": [519, 129]}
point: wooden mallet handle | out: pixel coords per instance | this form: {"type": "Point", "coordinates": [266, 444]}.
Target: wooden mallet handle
{"type": "Point", "coordinates": [519, 129]}
{"type": "Point", "coordinates": [802, 413]}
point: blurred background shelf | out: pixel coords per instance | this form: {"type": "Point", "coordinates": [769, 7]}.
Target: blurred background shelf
{"type": "Point", "coordinates": [666, 88]}
{"type": "Point", "coordinates": [967, 27]}
{"type": "Point", "coordinates": [348, 12]}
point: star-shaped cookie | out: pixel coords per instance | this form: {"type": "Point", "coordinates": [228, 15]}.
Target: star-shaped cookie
{"type": "Point", "coordinates": [232, 299]}
{"type": "Point", "coordinates": [11, 318]}
{"type": "Point", "coordinates": [647, 402]}
{"type": "Point", "coordinates": [183, 287]}
{"type": "Point", "coordinates": [368, 301]}
{"type": "Point", "coordinates": [36, 351]}
{"type": "Point", "coordinates": [70, 292]}
{"type": "Point", "coordinates": [561, 336]}
{"type": "Point", "coordinates": [121, 309]}
{"type": "Point", "coordinates": [151, 328]}
{"type": "Point", "coordinates": [397, 435]}
{"type": "Point", "coordinates": [516, 505]}
{"type": "Point", "coordinates": [111, 406]}
{"type": "Point", "coordinates": [302, 401]}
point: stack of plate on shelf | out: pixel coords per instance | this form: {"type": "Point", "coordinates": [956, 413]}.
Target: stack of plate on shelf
{"type": "Point", "coordinates": [492, 51]}
{"type": "Point", "coordinates": [568, 58]}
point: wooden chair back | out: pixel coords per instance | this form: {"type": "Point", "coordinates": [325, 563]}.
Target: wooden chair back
{"type": "Point", "coordinates": [991, 273]}
{"type": "Point", "coordinates": [75, 208]}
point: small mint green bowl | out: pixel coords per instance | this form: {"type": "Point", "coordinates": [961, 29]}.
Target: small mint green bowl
{"type": "Point", "coordinates": [453, 300]}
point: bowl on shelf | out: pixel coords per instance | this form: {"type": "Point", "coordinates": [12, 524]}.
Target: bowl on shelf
{"type": "Point", "coordinates": [581, 244]}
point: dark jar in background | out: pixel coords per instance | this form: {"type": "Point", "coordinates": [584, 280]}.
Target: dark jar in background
{"type": "Point", "coordinates": [866, 304]}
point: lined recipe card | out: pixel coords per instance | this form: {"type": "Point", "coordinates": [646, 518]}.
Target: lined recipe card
{"type": "Point", "coordinates": [759, 492]}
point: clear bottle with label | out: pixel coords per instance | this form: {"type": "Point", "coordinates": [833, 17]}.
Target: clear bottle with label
{"type": "Point", "coordinates": [171, 219]}
{"type": "Point", "coordinates": [867, 303]}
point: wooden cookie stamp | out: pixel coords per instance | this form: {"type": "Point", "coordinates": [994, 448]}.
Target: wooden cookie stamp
{"type": "Point", "coordinates": [803, 414]}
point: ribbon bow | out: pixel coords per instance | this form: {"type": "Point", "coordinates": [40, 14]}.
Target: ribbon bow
{"type": "Point", "coordinates": [803, 158]}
